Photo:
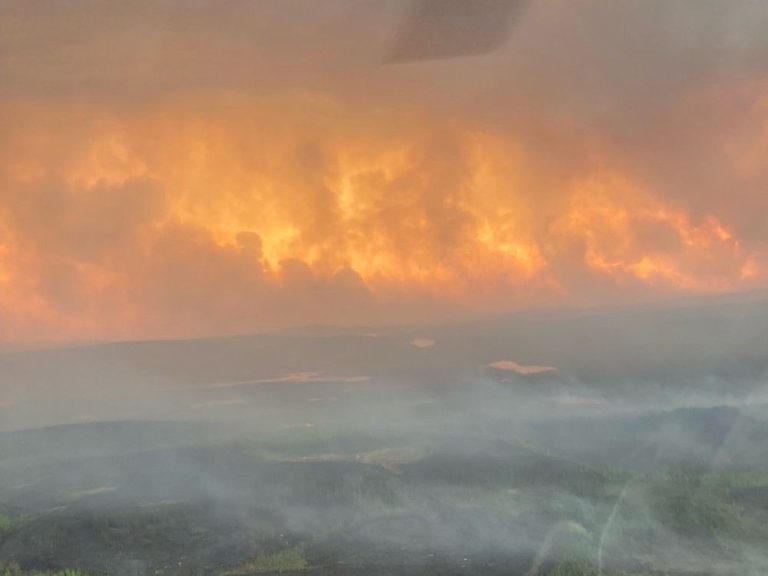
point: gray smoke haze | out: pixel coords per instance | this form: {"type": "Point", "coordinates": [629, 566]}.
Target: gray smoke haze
{"type": "Point", "coordinates": [509, 445]}
{"type": "Point", "coordinates": [606, 152]}
{"type": "Point", "coordinates": [181, 169]}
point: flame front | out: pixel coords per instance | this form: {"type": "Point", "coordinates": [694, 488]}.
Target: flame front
{"type": "Point", "coordinates": [175, 221]}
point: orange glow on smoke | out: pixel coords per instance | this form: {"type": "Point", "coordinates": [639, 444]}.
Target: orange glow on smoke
{"type": "Point", "coordinates": [628, 234]}
{"type": "Point", "coordinates": [466, 217]}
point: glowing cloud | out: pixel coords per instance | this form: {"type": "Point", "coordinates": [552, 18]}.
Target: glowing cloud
{"type": "Point", "coordinates": [324, 189]}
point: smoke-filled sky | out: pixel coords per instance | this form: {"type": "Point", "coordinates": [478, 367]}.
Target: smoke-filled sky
{"type": "Point", "coordinates": [184, 168]}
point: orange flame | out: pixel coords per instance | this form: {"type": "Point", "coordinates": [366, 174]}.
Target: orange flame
{"type": "Point", "coordinates": [412, 207]}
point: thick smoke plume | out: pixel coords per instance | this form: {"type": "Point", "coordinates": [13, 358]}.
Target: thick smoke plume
{"type": "Point", "coordinates": [194, 169]}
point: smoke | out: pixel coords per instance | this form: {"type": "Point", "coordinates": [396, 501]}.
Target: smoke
{"type": "Point", "coordinates": [187, 169]}
{"type": "Point", "coordinates": [357, 449]}
{"type": "Point", "coordinates": [190, 170]}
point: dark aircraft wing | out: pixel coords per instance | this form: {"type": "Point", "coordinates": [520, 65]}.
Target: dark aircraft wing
{"type": "Point", "coordinates": [439, 29]}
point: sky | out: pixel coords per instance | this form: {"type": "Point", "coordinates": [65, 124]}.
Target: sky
{"type": "Point", "coordinates": [191, 168]}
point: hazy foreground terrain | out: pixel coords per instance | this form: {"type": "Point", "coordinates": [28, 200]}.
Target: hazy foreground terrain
{"type": "Point", "coordinates": [632, 442]}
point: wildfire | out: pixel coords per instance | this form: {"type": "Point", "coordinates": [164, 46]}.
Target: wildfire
{"type": "Point", "coordinates": [108, 218]}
